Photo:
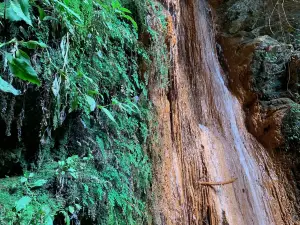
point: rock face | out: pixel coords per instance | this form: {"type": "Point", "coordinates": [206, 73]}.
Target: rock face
{"type": "Point", "coordinates": [262, 70]}
{"type": "Point", "coordinates": [264, 74]}
{"type": "Point", "coordinates": [256, 71]}
{"type": "Point", "coordinates": [203, 137]}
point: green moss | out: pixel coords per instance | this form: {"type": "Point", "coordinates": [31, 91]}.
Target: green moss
{"type": "Point", "coordinates": [242, 15]}
{"type": "Point", "coordinates": [269, 68]}
{"type": "Point", "coordinates": [42, 206]}
{"type": "Point", "coordinates": [291, 128]}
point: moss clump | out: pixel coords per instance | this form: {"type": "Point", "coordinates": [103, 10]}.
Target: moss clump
{"type": "Point", "coordinates": [269, 68]}
{"type": "Point", "coordinates": [291, 128]}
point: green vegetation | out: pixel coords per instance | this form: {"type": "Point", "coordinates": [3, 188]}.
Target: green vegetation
{"type": "Point", "coordinates": [74, 109]}
{"type": "Point", "coordinates": [291, 128]}
{"type": "Point", "coordinates": [269, 68]}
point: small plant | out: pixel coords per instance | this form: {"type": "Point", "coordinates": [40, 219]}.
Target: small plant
{"type": "Point", "coordinates": [19, 63]}
{"type": "Point", "coordinates": [123, 12]}
{"type": "Point", "coordinates": [68, 167]}
{"type": "Point", "coordinates": [27, 181]}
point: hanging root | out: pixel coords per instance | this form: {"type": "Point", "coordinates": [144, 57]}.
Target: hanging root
{"type": "Point", "coordinates": [217, 183]}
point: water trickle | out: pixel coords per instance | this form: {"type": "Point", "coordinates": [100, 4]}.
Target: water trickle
{"type": "Point", "coordinates": [229, 107]}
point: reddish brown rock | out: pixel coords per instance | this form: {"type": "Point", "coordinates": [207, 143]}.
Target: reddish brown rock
{"type": "Point", "coordinates": [203, 139]}
{"type": "Point", "coordinates": [264, 119]}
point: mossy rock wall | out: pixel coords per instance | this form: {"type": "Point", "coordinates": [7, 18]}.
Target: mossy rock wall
{"type": "Point", "coordinates": [74, 109]}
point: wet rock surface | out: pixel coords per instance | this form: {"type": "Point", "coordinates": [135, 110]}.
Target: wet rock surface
{"type": "Point", "coordinates": [257, 74]}
{"type": "Point", "coordinates": [263, 72]}
{"type": "Point", "coordinates": [203, 135]}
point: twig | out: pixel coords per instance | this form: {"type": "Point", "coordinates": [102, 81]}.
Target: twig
{"type": "Point", "coordinates": [270, 17]}
{"type": "Point", "coordinates": [217, 183]}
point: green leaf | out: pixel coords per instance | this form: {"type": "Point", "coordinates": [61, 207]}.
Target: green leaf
{"type": "Point", "coordinates": [91, 200]}
{"type": "Point", "coordinates": [124, 10]}
{"type": "Point", "coordinates": [71, 209]}
{"type": "Point", "coordinates": [115, 102]}
{"type": "Point", "coordinates": [46, 209]}
{"type": "Point", "coordinates": [132, 105]}
{"type": "Point", "coordinates": [131, 20]}
{"type": "Point", "coordinates": [67, 218]}
{"type": "Point", "coordinates": [93, 92]}
{"type": "Point", "coordinates": [92, 103]}
{"type": "Point", "coordinates": [38, 183]}
{"type": "Point", "coordinates": [7, 43]}
{"type": "Point", "coordinates": [20, 67]}
{"type": "Point", "coordinates": [126, 108]}
{"type": "Point", "coordinates": [71, 170]}
{"type": "Point", "coordinates": [116, 4]}
{"type": "Point", "coordinates": [2, 6]}
{"type": "Point", "coordinates": [47, 212]}
{"type": "Point", "coordinates": [72, 159]}
{"type": "Point", "coordinates": [49, 18]}
{"type": "Point", "coordinates": [18, 10]}
{"type": "Point", "coordinates": [48, 220]}
{"type": "Point", "coordinates": [78, 207]}
{"type": "Point", "coordinates": [33, 44]}
{"type": "Point", "coordinates": [42, 13]}
{"type": "Point", "coordinates": [61, 163]}
{"type": "Point", "coordinates": [70, 11]}
{"type": "Point", "coordinates": [22, 203]}
{"type": "Point", "coordinates": [108, 113]}
{"type": "Point", "coordinates": [23, 179]}
{"type": "Point", "coordinates": [74, 175]}
{"type": "Point", "coordinates": [7, 87]}
{"type": "Point", "coordinates": [86, 188]}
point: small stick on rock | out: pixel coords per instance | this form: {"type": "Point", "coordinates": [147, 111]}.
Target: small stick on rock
{"type": "Point", "coordinates": [217, 183]}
